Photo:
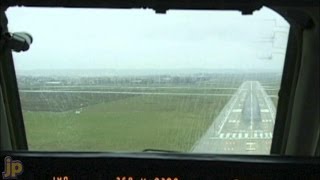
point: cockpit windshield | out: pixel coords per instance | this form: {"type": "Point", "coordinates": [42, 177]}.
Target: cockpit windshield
{"type": "Point", "coordinates": [133, 80]}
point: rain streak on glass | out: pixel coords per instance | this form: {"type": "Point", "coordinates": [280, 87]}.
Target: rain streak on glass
{"type": "Point", "coordinates": [133, 80]}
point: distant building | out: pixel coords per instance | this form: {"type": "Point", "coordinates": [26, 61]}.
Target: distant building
{"type": "Point", "coordinates": [53, 83]}
{"type": "Point", "coordinates": [167, 79]}
{"type": "Point", "coordinates": [136, 81]}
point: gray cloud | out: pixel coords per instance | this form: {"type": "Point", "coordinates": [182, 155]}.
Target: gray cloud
{"type": "Point", "coordinates": [138, 39]}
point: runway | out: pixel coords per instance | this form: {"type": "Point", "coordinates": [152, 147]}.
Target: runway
{"type": "Point", "coordinates": [244, 126]}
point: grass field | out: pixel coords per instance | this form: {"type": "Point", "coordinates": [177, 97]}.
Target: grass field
{"type": "Point", "coordinates": [60, 102]}
{"type": "Point", "coordinates": [121, 121]}
{"type": "Point", "coordinates": [273, 93]}
{"type": "Point", "coordinates": [129, 124]}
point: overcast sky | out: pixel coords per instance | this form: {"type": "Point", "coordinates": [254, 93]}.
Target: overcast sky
{"type": "Point", "coordinates": [141, 39]}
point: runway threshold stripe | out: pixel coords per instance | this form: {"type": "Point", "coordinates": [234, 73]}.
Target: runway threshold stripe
{"type": "Point", "coordinates": [234, 135]}
{"type": "Point", "coordinates": [221, 135]}
{"type": "Point", "coordinates": [246, 135]}
{"type": "Point", "coordinates": [228, 135]}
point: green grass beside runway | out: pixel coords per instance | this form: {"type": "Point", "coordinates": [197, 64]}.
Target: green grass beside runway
{"type": "Point", "coordinates": [125, 124]}
{"type": "Point", "coordinates": [275, 101]}
{"type": "Point", "coordinates": [207, 90]}
{"type": "Point", "coordinates": [272, 92]}
{"type": "Point", "coordinates": [63, 101]}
